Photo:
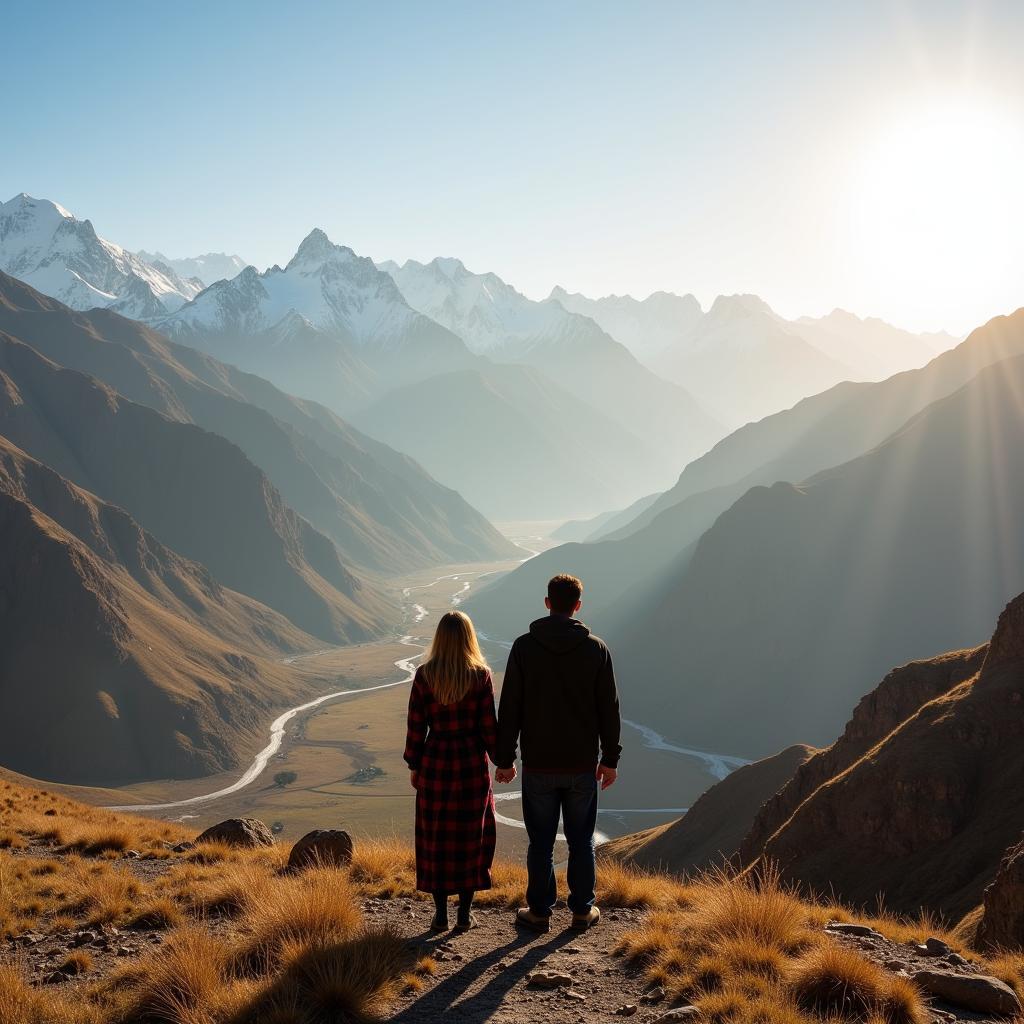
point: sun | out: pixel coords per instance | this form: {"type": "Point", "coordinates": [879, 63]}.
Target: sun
{"type": "Point", "coordinates": [936, 199]}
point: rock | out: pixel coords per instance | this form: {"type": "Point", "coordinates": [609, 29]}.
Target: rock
{"type": "Point", "coordinates": [247, 832]}
{"type": "Point", "coordinates": [29, 939]}
{"type": "Point", "coordinates": [578, 996]}
{"type": "Point", "coordinates": [330, 847]}
{"type": "Point", "coordinates": [933, 947]}
{"type": "Point", "coordinates": [626, 1011]}
{"type": "Point", "coordinates": [124, 951]}
{"type": "Point", "coordinates": [1002, 920]}
{"type": "Point", "coordinates": [131, 855]}
{"type": "Point", "coordinates": [956, 960]}
{"type": "Point", "coordinates": [848, 928]}
{"type": "Point", "coordinates": [549, 979]}
{"type": "Point", "coordinates": [976, 992]}
{"type": "Point", "coordinates": [83, 938]}
{"type": "Point", "coordinates": [680, 1013]}
{"type": "Point", "coordinates": [656, 995]}
{"type": "Point", "coordinates": [182, 847]}
{"type": "Point", "coordinates": [55, 978]}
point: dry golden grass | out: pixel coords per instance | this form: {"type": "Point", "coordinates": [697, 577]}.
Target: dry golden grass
{"type": "Point", "coordinates": [833, 981]}
{"type": "Point", "coordinates": [78, 961]}
{"type": "Point", "coordinates": [748, 951]}
{"type": "Point", "coordinates": [21, 1003]}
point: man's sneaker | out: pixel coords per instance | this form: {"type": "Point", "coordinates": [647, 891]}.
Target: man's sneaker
{"type": "Point", "coordinates": [581, 922]}
{"type": "Point", "coordinates": [536, 922]}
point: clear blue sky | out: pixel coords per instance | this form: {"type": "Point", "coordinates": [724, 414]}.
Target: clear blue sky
{"type": "Point", "coordinates": [608, 147]}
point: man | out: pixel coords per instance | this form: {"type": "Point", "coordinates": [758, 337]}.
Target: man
{"type": "Point", "coordinates": [560, 702]}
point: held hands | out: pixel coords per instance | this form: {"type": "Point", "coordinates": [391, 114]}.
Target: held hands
{"type": "Point", "coordinates": [606, 776]}
{"type": "Point", "coordinates": [505, 775]}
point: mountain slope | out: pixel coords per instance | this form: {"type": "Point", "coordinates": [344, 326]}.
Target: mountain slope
{"type": "Point", "coordinates": [380, 507]}
{"type": "Point", "coordinates": [798, 595]}
{"type": "Point", "coordinates": [710, 833]}
{"type": "Point", "coordinates": [43, 244]}
{"type": "Point", "coordinates": [192, 489]}
{"type": "Point", "coordinates": [496, 320]}
{"type": "Point", "coordinates": [119, 659]}
{"type": "Point", "coordinates": [835, 426]}
{"type": "Point", "coordinates": [512, 442]}
{"type": "Point", "coordinates": [926, 814]}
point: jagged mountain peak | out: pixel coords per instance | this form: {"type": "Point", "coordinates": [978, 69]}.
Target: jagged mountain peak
{"type": "Point", "coordinates": [45, 245]}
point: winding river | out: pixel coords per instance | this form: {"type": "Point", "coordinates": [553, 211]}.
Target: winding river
{"type": "Point", "coordinates": [717, 765]}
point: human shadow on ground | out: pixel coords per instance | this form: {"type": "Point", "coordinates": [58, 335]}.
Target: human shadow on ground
{"type": "Point", "coordinates": [481, 1005]}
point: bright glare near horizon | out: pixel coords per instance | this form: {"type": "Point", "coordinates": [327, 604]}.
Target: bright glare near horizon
{"type": "Point", "coordinates": [865, 156]}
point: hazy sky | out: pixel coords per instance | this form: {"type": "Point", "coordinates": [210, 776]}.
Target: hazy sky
{"type": "Point", "coordinates": [867, 155]}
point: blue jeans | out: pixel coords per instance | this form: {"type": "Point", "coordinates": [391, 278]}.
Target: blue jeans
{"type": "Point", "coordinates": [545, 796]}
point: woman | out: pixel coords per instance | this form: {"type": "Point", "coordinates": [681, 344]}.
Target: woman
{"type": "Point", "coordinates": [452, 730]}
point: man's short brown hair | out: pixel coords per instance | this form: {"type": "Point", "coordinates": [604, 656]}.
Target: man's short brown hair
{"type": "Point", "coordinates": [564, 593]}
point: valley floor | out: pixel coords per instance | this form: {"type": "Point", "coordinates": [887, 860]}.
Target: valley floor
{"type": "Point", "coordinates": [346, 753]}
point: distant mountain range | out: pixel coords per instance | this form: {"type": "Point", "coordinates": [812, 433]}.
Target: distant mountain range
{"type": "Point", "coordinates": [573, 351]}
{"type": "Point", "coordinates": [744, 360]}
{"type": "Point", "coordinates": [208, 268]}
{"type": "Point", "coordinates": [332, 326]}
{"type": "Point", "coordinates": [741, 600]}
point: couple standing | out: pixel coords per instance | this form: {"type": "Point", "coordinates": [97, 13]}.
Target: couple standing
{"type": "Point", "coordinates": [559, 703]}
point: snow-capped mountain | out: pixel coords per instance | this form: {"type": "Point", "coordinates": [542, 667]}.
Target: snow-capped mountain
{"type": "Point", "coordinates": [646, 327]}
{"type": "Point", "coordinates": [329, 326]}
{"type": "Point", "coordinates": [210, 267]}
{"type": "Point", "coordinates": [486, 312]}
{"type": "Point", "coordinates": [46, 246]}
{"type": "Point", "coordinates": [337, 292]}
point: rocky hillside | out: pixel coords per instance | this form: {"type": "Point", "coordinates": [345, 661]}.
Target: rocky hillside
{"type": "Point", "coordinates": [925, 815]}
{"type": "Point", "coordinates": [710, 833]}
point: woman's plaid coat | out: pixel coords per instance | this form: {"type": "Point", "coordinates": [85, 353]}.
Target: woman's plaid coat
{"type": "Point", "coordinates": [447, 746]}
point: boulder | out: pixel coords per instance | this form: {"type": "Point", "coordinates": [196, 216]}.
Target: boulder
{"type": "Point", "coordinates": [1002, 920]}
{"type": "Point", "coordinates": [249, 832]}
{"type": "Point", "coordinates": [978, 993]}
{"type": "Point", "coordinates": [680, 1013]}
{"type": "Point", "coordinates": [330, 847]}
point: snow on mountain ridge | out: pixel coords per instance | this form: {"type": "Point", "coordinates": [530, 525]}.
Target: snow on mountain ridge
{"type": "Point", "coordinates": [328, 286]}
{"type": "Point", "coordinates": [491, 316]}
{"type": "Point", "coordinates": [44, 245]}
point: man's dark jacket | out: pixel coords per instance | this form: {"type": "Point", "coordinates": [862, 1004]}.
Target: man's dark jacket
{"type": "Point", "coordinates": [559, 696]}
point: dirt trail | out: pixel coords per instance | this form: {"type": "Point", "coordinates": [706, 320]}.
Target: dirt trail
{"type": "Point", "coordinates": [482, 975]}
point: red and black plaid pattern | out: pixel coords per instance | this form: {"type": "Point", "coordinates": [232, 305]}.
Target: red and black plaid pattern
{"type": "Point", "coordinates": [447, 746]}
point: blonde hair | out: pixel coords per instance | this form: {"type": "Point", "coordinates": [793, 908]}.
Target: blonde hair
{"type": "Point", "coordinates": [454, 660]}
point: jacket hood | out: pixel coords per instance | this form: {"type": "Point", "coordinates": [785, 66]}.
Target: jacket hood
{"type": "Point", "coordinates": [559, 633]}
